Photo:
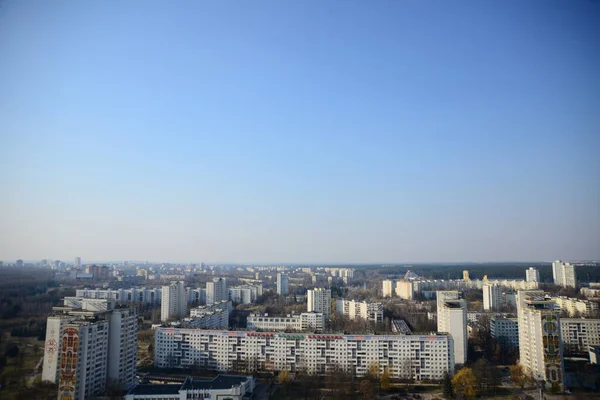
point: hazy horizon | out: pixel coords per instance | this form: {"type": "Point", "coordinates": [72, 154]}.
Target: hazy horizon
{"type": "Point", "coordinates": [328, 131]}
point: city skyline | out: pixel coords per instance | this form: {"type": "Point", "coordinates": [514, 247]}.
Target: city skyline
{"type": "Point", "coordinates": [300, 133]}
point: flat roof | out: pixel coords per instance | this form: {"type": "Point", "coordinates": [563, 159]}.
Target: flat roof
{"type": "Point", "coordinates": [156, 389]}
{"type": "Point", "coordinates": [219, 382]}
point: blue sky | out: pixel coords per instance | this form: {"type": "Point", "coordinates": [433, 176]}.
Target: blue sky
{"type": "Point", "coordinates": [300, 131]}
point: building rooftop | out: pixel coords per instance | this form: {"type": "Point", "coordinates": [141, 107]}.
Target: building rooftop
{"type": "Point", "coordinates": [172, 388]}
{"type": "Point", "coordinates": [219, 382]}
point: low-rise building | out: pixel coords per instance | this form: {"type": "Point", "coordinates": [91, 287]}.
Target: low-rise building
{"type": "Point", "coordinates": [234, 387]}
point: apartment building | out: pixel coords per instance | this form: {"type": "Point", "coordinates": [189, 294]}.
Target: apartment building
{"type": "Point", "coordinates": [452, 319]}
{"type": "Point", "coordinates": [319, 300]}
{"type": "Point", "coordinates": [505, 331]}
{"type": "Point", "coordinates": [405, 290]}
{"type": "Point", "coordinates": [90, 342]}
{"type": "Point", "coordinates": [245, 294]}
{"type": "Point", "coordinates": [492, 297]}
{"type": "Point", "coordinates": [282, 284]}
{"type": "Point", "coordinates": [304, 321]}
{"type": "Point", "coordinates": [151, 296]}
{"type": "Point", "coordinates": [574, 306]}
{"type": "Point", "coordinates": [174, 301]}
{"type": "Point", "coordinates": [213, 316]}
{"type": "Point", "coordinates": [216, 291]}
{"type": "Point", "coordinates": [360, 309]}
{"type": "Point", "coordinates": [579, 335]}
{"type": "Point", "coordinates": [532, 275]}
{"type": "Point", "coordinates": [404, 356]}
{"type": "Point", "coordinates": [564, 273]}
{"type": "Point", "coordinates": [540, 344]}
{"type": "Point", "coordinates": [388, 288]}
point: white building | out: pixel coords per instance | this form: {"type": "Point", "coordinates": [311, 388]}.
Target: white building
{"type": "Point", "coordinates": [174, 301]}
{"type": "Point", "coordinates": [574, 306]}
{"type": "Point", "coordinates": [452, 319]}
{"type": "Point", "coordinates": [88, 344]}
{"type": "Point", "coordinates": [404, 290]}
{"type": "Point", "coordinates": [505, 331]}
{"type": "Point", "coordinates": [122, 346]}
{"type": "Point", "coordinates": [492, 297]}
{"type": "Point", "coordinates": [360, 309]}
{"type": "Point", "coordinates": [564, 273]}
{"type": "Point", "coordinates": [245, 294]}
{"type": "Point", "coordinates": [540, 344]}
{"type": "Point", "coordinates": [404, 356]}
{"type": "Point", "coordinates": [388, 288]}
{"type": "Point", "coordinates": [319, 300]}
{"type": "Point", "coordinates": [282, 284]}
{"type": "Point", "coordinates": [130, 295]}
{"type": "Point", "coordinates": [232, 387]}
{"type": "Point", "coordinates": [532, 275]}
{"type": "Point", "coordinates": [213, 316]}
{"type": "Point", "coordinates": [304, 321]}
{"type": "Point", "coordinates": [579, 334]}
{"type": "Point", "coordinates": [216, 291]}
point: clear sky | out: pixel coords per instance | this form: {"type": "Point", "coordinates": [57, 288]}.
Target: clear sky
{"type": "Point", "coordinates": [300, 131]}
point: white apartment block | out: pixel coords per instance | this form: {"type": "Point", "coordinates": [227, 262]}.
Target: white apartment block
{"type": "Point", "coordinates": [405, 290]}
{"type": "Point", "coordinates": [492, 297]}
{"type": "Point", "coordinates": [130, 295]}
{"type": "Point", "coordinates": [388, 288]}
{"type": "Point", "coordinates": [196, 296]}
{"type": "Point", "coordinates": [122, 346]}
{"type": "Point", "coordinates": [319, 300]}
{"type": "Point", "coordinates": [404, 356]}
{"type": "Point", "coordinates": [282, 284]}
{"type": "Point", "coordinates": [573, 306]}
{"type": "Point", "coordinates": [540, 344]}
{"type": "Point", "coordinates": [452, 319]}
{"type": "Point", "coordinates": [564, 273]}
{"type": "Point", "coordinates": [174, 301]}
{"type": "Point", "coordinates": [246, 294]}
{"type": "Point", "coordinates": [88, 345]}
{"type": "Point", "coordinates": [302, 322]}
{"type": "Point", "coordinates": [213, 316]}
{"type": "Point", "coordinates": [579, 334]}
{"type": "Point", "coordinates": [221, 305]}
{"type": "Point", "coordinates": [216, 291]}
{"type": "Point", "coordinates": [505, 331]}
{"type": "Point", "coordinates": [532, 275]}
{"type": "Point", "coordinates": [360, 309]}
{"type": "Point", "coordinates": [453, 284]}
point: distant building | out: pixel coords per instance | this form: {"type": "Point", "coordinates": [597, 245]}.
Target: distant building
{"type": "Point", "coordinates": [492, 297]}
{"type": "Point", "coordinates": [221, 387]}
{"type": "Point", "coordinates": [174, 301]}
{"type": "Point", "coordinates": [360, 309]}
{"type": "Point", "coordinates": [564, 274]}
{"type": "Point", "coordinates": [245, 294]}
{"type": "Point", "coordinates": [466, 275]}
{"type": "Point", "coordinates": [304, 321]}
{"type": "Point", "coordinates": [388, 288]}
{"type": "Point", "coordinates": [216, 291]}
{"type": "Point", "coordinates": [576, 307]}
{"type": "Point", "coordinates": [532, 275]}
{"type": "Point", "coordinates": [19, 264]}
{"type": "Point", "coordinates": [452, 319]}
{"type": "Point", "coordinates": [404, 290]}
{"type": "Point", "coordinates": [282, 284]}
{"type": "Point", "coordinates": [319, 300]}
{"type": "Point", "coordinates": [77, 263]}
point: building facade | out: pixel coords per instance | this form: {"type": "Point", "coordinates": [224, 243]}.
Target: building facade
{"type": "Point", "coordinates": [174, 301]}
{"type": "Point", "coordinates": [403, 356]}
{"type": "Point", "coordinates": [216, 291]}
{"type": "Point", "coordinates": [564, 273]}
{"type": "Point", "coordinates": [452, 319]}
{"type": "Point", "coordinates": [576, 307]}
{"type": "Point", "coordinates": [304, 321]}
{"type": "Point", "coordinates": [492, 297]}
{"type": "Point", "coordinates": [505, 331]}
{"type": "Point", "coordinates": [151, 296]}
{"type": "Point", "coordinates": [532, 275]}
{"type": "Point", "coordinates": [405, 290]}
{"type": "Point", "coordinates": [388, 288]}
{"type": "Point", "coordinates": [540, 344]}
{"type": "Point", "coordinates": [319, 300]}
{"type": "Point", "coordinates": [579, 334]}
{"type": "Point", "coordinates": [282, 284]}
{"type": "Point", "coordinates": [360, 309]}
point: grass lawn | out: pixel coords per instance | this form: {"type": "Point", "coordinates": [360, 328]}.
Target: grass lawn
{"type": "Point", "coordinates": [18, 368]}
